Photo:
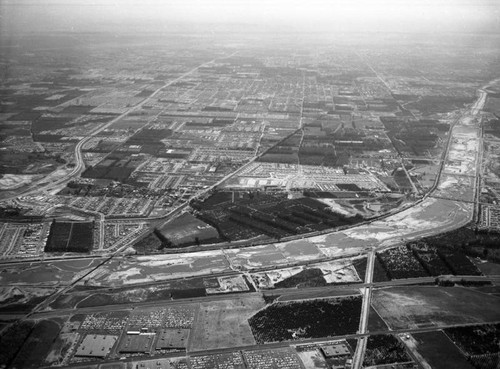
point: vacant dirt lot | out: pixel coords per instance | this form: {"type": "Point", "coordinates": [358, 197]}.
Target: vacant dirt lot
{"type": "Point", "coordinates": [224, 323]}
{"type": "Point", "coordinates": [405, 307]}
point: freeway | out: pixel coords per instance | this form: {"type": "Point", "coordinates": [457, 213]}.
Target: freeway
{"type": "Point", "coordinates": [366, 292]}
{"type": "Point", "coordinates": [286, 294]}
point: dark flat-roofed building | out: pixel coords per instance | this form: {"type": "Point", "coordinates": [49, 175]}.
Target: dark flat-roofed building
{"type": "Point", "coordinates": [170, 339]}
{"type": "Point", "coordinates": [136, 343]}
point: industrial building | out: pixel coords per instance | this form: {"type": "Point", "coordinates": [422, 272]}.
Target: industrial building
{"type": "Point", "coordinates": [170, 339]}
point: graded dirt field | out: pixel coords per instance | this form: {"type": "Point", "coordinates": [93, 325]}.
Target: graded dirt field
{"type": "Point", "coordinates": [20, 299]}
{"type": "Point", "coordinates": [419, 307]}
{"type": "Point", "coordinates": [488, 268]}
{"type": "Point", "coordinates": [53, 273]}
{"type": "Point", "coordinates": [458, 187]}
{"type": "Point", "coordinates": [14, 181]}
{"type": "Point", "coordinates": [161, 267]}
{"type": "Point", "coordinates": [312, 358]}
{"type": "Point", "coordinates": [224, 323]}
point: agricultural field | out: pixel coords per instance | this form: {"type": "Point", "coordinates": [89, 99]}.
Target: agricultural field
{"type": "Point", "coordinates": [273, 215]}
{"type": "Point", "coordinates": [379, 272]}
{"type": "Point", "coordinates": [430, 259]}
{"type": "Point", "coordinates": [186, 230]}
{"type": "Point", "coordinates": [459, 263]}
{"type": "Point", "coordinates": [282, 321]}
{"type": "Point", "coordinates": [466, 240]}
{"type": "Point", "coordinates": [400, 263]}
{"type": "Point", "coordinates": [12, 340]}
{"type": "Point", "coordinates": [35, 348]}
{"type": "Point", "coordinates": [417, 307]}
{"type": "Point", "coordinates": [480, 344]}
{"type": "Point", "coordinates": [420, 259]}
{"type": "Point", "coordinates": [70, 237]}
{"type": "Point", "coordinates": [415, 138]}
{"type": "Point", "coordinates": [434, 346]}
{"type": "Point", "coordinates": [150, 244]}
{"type": "Point", "coordinates": [385, 349]}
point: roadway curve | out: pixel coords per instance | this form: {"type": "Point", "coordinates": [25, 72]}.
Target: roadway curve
{"type": "Point", "coordinates": [80, 163]}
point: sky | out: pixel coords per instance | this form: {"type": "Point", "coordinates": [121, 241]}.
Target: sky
{"type": "Point", "coordinates": [306, 15]}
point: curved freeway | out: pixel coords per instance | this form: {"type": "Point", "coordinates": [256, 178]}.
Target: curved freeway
{"type": "Point", "coordinates": [80, 163]}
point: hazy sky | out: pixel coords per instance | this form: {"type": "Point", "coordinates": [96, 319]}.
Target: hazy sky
{"type": "Point", "coordinates": [310, 15]}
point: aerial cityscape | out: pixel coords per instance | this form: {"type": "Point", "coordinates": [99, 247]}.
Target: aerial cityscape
{"type": "Point", "coordinates": [208, 190]}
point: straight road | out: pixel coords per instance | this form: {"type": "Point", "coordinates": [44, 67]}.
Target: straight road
{"type": "Point", "coordinates": [468, 115]}
{"type": "Point", "coordinates": [287, 344]}
{"type": "Point", "coordinates": [365, 311]}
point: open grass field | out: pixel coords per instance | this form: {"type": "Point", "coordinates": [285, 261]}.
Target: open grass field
{"type": "Point", "coordinates": [418, 307]}
{"type": "Point", "coordinates": [224, 323]}
{"type": "Point", "coordinates": [12, 339]}
{"type": "Point", "coordinates": [488, 268]}
{"type": "Point", "coordinates": [375, 322]}
{"type": "Point", "coordinates": [439, 351]}
{"type": "Point", "coordinates": [384, 349]}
